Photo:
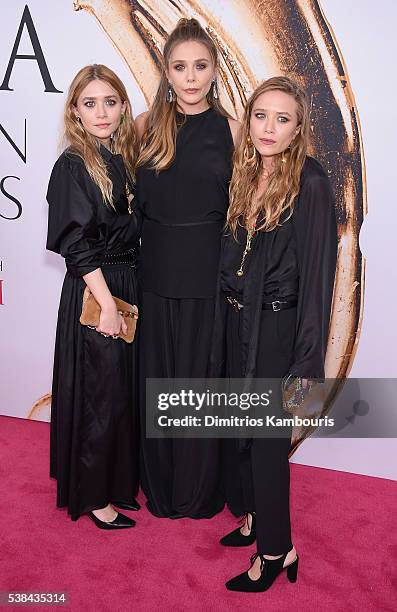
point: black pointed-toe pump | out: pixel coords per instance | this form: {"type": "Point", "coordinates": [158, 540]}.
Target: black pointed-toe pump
{"type": "Point", "coordinates": [120, 522]}
{"type": "Point", "coordinates": [134, 505]}
{"type": "Point", "coordinates": [236, 538]}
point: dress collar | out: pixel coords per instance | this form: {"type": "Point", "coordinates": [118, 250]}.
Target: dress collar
{"type": "Point", "coordinates": [195, 116]}
{"type": "Point", "coordinates": [104, 151]}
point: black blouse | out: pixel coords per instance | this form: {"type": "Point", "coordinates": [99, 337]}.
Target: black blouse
{"type": "Point", "coordinates": [81, 227]}
{"type": "Point", "coordinates": [281, 273]}
{"type": "Point", "coordinates": [297, 259]}
{"type": "Point", "coordinates": [184, 209]}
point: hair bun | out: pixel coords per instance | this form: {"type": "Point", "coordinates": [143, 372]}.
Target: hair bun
{"type": "Point", "coordinates": [189, 24]}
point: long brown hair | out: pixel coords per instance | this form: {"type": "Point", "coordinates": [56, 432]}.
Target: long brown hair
{"type": "Point", "coordinates": [284, 183]}
{"type": "Point", "coordinates": [85, 145]}
{"type": "Point", "coordinates": [159, 139]}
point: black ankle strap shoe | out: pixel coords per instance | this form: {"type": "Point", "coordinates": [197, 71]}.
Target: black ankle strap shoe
{"type": "Point", "coordinates": [270, 569]}
{"type": "Point", "coordinates": [236, 538]}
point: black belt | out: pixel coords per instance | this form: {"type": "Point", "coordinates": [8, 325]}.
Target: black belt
{"type": "Point", "coordinates": [276, 305]}
{"type": "Point", "coordinates": [127, 258]}
{"type": "Point", "coordinates": [193, 224]}
{"type": "Point", "coordinates": [279, 305]}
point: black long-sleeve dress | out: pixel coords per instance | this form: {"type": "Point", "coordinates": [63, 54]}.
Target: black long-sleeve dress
{"type": "Point", "coordinates": [296, 261]}
{"type": "Point", "coordinates": [94, 427]}
{"type": "Point", "coordinates": [184, 209]}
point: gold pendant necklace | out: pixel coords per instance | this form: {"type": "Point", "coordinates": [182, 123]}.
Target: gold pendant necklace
{"type": "Point", "coordinates": [130, 197]}
{"type": "Point", "coordinates": [250, 234]}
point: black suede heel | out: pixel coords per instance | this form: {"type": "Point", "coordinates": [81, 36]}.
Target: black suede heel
{"type": "Point", "coordinates": [236, 538]}
{"type": "Point", "coordinates": [270, 569]}
{"type": "Point", "coordinates": [292, 570]}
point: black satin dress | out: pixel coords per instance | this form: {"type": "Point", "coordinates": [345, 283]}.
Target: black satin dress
{"type": "Point", "coordinates": [184, 211]}
{"type": "Point", "coordinates": [94, 417]}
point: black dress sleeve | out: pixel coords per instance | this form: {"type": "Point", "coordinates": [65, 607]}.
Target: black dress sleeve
{"type": "Point", "coordinates": [315, 230]}
{"type": "Point", "coordinates": [137, 202]}
{"type": "Point", "coordinates": [73, 230]}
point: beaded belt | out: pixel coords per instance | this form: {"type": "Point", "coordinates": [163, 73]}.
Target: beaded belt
{"type": "Point", "coordinates": [127, 258]}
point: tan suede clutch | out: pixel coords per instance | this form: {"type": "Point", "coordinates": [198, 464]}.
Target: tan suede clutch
{"type": "Point", "coordinates": [91, 312]}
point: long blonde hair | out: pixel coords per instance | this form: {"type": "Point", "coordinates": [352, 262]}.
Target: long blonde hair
{"type": "Point", "coordinates": [284, 183]}
{"type": "Point", "coordinates": [159, 139]}
{"type": "Point", "coordinates": [85, 145]}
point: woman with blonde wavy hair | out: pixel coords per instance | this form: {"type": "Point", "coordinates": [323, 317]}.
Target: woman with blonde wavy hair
{"type": "Point", "coordinates": [93, 224]}
{"type": "Point", "coordinates": [273, 305]}
{"type": "Point", "coordinates": [183, 176]}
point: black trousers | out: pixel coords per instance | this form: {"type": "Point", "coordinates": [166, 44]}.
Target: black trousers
{"type": "Point", "coordinates": [258, 480]}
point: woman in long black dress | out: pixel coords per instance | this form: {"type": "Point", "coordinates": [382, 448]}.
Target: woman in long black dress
{"type": "Point", "coordinates": [182, 179]}
{"type": "Point", "coordinates": [275, 291]}
{"type": "Point", "coordinates": [93, 225]}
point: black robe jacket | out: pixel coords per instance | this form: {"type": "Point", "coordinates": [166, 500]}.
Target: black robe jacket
{"type": "Point", "coordinates": [313, 229]}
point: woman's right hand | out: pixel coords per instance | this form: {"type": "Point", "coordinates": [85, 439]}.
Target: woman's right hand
{"type": "Point", "coordinates": [111, 322]}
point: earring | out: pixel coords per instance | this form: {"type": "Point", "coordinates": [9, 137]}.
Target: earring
{"type": "Point", "coordinates": [249, 155]}
{"type": "Point", "coordinates": [122, 118]}
{"type": "Point", "coordinates": [170, 93]}
{"type": "Point", "coordinates": [215, 92]}
{"type": "Point", "coordinates": [78, 118]}
{"type": "Point", "coordinates": [283, 156]}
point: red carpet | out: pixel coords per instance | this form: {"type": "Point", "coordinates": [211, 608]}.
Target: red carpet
{"type": "Point", "coordinates": [344, 529]}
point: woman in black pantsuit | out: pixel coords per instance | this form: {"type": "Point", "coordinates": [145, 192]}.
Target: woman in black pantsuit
{"type": "Point", "coordinates": [265, 491]}
{"type": "Point", "coordinates": [182, 179]}
{"type": "Point", "coordinates": [274, 297]}
{"type": "Point", "coordinates": [93, 225]}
